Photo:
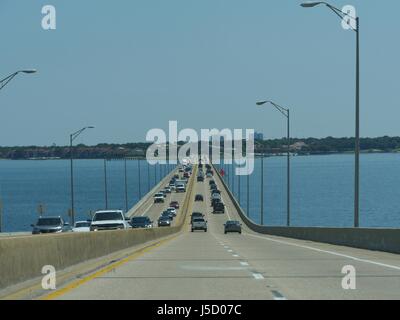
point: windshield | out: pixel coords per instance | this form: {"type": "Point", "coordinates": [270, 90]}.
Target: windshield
{"type": "Point", "coordinates": [82, 224]}
{"type": "Point", "coordinates": [140, 220]}
{"type": "Point", "coordinates": [101, 216]}
{"type": "Point", "coordinates": [49, 222]}
{"type": "Point", "coordinates": [198, 220]}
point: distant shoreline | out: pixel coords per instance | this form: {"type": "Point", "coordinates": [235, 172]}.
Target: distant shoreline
{"type": "Point", "coordinates": [257, 155]}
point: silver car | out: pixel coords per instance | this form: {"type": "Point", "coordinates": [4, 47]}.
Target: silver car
{"type": "Point", "coordinates": [199, 224]}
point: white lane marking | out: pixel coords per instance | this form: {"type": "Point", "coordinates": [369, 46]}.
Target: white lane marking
{"type": "Point", "coordinates": [277, 295]}
{"type": "Point", "coordinates": [235, 255]}
{"type": "Point", "coordinates": [230, 250]}
{"type": "Point", "coordinates": [258, 276]}
{"type": "Point", "coordinates": [327, 252]}
{"type": "Point", "coordinates": [147, 209]}
{"type": "Point", "coordinates": [211, 268]}
{"type": "Point", "coordinates": [226, 247]}
{"type": "Point", "coordinates": [244, 263]}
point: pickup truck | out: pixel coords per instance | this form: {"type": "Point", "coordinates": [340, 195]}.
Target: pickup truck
{"type": "Point", "coordinates": [159, 198]}
{"type": "Point", "coordinates": [109, 220]}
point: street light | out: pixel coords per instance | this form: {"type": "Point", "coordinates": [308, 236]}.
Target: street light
{"type": "Point", "coordinates": [7, 79]}
{"type": "Point", "coordinates": [286, 113]}
{"type": "Point", "coordinates": [72, 137]}
{"type": "Point", "coordinates": [343, 15]}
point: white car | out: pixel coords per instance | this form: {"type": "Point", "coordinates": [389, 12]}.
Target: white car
{"type": "Point", "coordinates": [159, 198]}
{"type": "Point", "coordinates": [109, 220]}
{"type": "Point", "coordinates": [172, 210]}
{"type": "Point", "coordinates": [180, 188]}
{"type": "Point", "coordinates": [81, 226]}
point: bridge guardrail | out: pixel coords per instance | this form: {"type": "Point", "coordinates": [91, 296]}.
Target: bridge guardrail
{"type": "Point", "coordinates": [377, 239]}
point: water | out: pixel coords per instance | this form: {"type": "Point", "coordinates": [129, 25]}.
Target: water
{"type": "Point", "coordinates": [26, 184]}
{"type": "Point", "coordinates": [323, 191]}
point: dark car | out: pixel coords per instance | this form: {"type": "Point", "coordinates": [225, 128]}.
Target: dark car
{"type": "Point", "coordinates": [198, 197]}
{"type": "Point", "coordinates": [164, 221]}
{"type": "Point", "coordinates": [174, 204]}
{"type": "Point", "coordinates": [200, 178]}
{"type": "Point", "coordinates": [50, 225]}
{"type": "Point", "coordinates": [218, 207]}
{"type": "Point", "coordinates": [168, 214]}
{"type": "Point", "coordinates": [141, 222]}
{"type": "Point", "coordinates": [211, 182]}
{"type": "Point", "coordinates": [233, 226]}
{"type": "Point", "coordinates": [215, 191]}
{"type": "Point", "coordinates": [213, 187]}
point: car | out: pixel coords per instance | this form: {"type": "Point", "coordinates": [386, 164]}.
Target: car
{"type": "Point", "coordinates": [198, 198]}
{"type": "Point", "coordinates": [164, 221]}
{"type": "Point", "coordinates": [50, 225]}
{"type": "Point", "coordinates": [199, 224]}
{"type": "Point", "coordinates": [200, 178]}
{"type": "Point", "coordinates": [109, 220]}
{"type": "Point", "coordinates": [180, 188]}
{"type": "Point", "coordinates": [164, 193]}
{"type": "Point", "coordinates": [232, 226]}
{"type": "Point", "coordinates": [218, 207]}
{"type": "Point", "coordinates": [209, 175]}
{"type": "Point", "coordinates": [174, 204]}
{"type": "Point", "coordinates": [215, 200]}
{"type": "Point", "coordinates": [81, 226]}
{"type": "Point", "coordinates": [167, 190]}
{"type": "Point", "coordinates": [196, 215]}
{"type": "Point", "coordinates": [159, 198]}
{"type": "Point", "coordinates": [172, 210]}
{"type": "Point", "coordinates": [167, 214]}
{"type": "Point", "coordinates": [215, 191]}
{"type": "Point", "coordinates": [213, 187]}
{"type": "Point", "coordinates": [141, 222]}
{"type": "Point", "coordinates": [210, 182]}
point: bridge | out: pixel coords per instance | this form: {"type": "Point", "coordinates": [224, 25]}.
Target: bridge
{"type": "Point", "coordinates": [174, 263]}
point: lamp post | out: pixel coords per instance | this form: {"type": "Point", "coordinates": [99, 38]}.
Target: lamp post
{"type": "Point", "coordinates": [7, 79]}
{"type": "Point", "coordinates": [72, 137]}
{"type": "Point", "coordinates": [343, 15]}
{"type": "Point", "coordinates": [286, 113]}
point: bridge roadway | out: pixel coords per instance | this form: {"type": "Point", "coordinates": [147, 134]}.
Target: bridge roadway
{"type": "Point", "coordinates": [213, 265]}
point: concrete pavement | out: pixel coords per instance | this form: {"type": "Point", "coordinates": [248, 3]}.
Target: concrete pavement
{"type": "Point", "coordinates": [213, 265]}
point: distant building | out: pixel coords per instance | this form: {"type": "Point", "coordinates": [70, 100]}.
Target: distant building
{"type": "Point", "coordinates": [258, 136]}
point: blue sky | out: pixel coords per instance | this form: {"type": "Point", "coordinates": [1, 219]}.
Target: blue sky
{"type": "Point", "coordinates": [127, 66]}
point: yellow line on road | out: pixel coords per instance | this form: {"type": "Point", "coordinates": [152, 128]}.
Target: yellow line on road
{"type": "Point", "coordinates": [109, 268]}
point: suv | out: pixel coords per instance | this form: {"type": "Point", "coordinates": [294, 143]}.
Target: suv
{"type": "Point", "coordinates": [199, 224]}
{"type": "Point", "coordinates": [50, 225]}
{"type": "Point", "coordinates": [159, 198]}
{"type": "Point", "coordinates": [141, 222]}
{"type": "Point", "coordinates": [109, 220]}
{"type": "Point", "coordinates": [196, 215]}
{"type": "Point", "coordinates": [219, 207]}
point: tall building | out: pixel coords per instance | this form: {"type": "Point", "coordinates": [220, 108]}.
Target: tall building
{"type": "Point", "coordinates": [258, 136]}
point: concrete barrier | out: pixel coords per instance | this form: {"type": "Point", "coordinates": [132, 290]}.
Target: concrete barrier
{"type": "Point", "coordinates": [22, 258]}
{"type": "Point", "coordinates": [377, 239]}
